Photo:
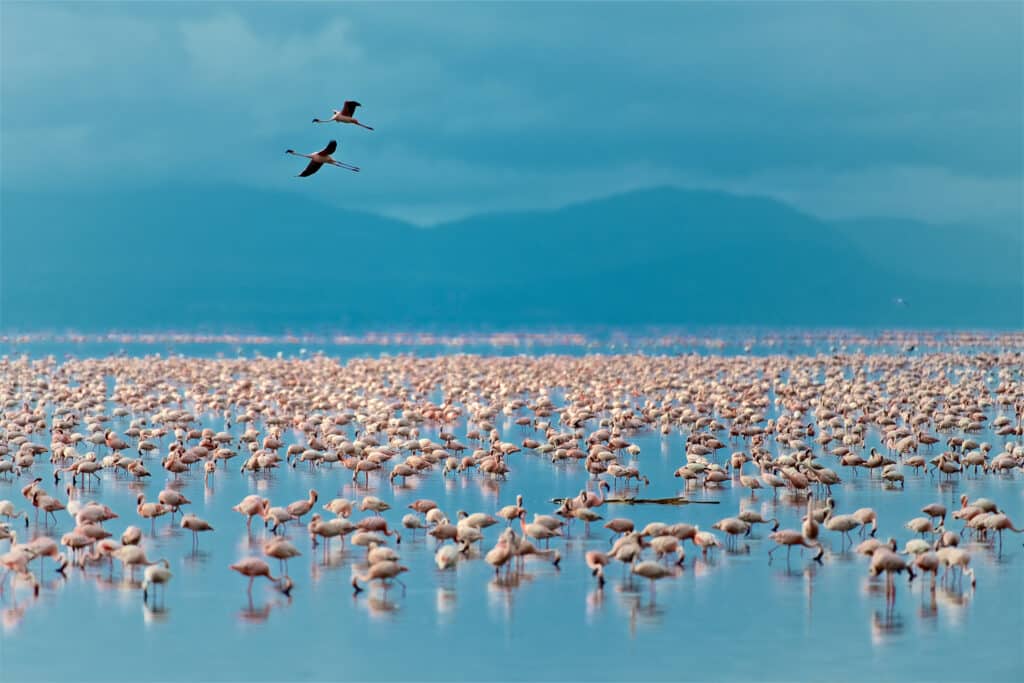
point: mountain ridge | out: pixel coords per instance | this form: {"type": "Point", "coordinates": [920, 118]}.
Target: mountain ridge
{"type": "Point", "coordinates": [239, 258]}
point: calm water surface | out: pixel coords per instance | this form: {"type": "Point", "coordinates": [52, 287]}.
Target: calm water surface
{"type": "Point", "coordinates": [730, 616]}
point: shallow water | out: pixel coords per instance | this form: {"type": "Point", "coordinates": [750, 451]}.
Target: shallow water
{"type": "Point", "coordinates": [732, 615]}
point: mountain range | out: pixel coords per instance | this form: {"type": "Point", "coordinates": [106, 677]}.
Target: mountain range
{"type": "Point", "coordinates": [236, 258]}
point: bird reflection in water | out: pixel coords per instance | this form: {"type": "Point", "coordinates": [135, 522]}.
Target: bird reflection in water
{"type": "Point", "coordinates": [631, 603]}
{"type": "Point", "coordinates": [10, 617]}
{"type": "Point", "coordinates": [809, 573]}
{"type": "Point", "coordinates": [154, 615]}
{"type": "Point", "coordinates": [929, 608]}
{"type": "Point", "coordinates": [444, 601]}
{"type": "Point", "coordinates": [18, 582]}
{"type": "Point", "coordinates": [490, 488]}
{"type": "Point", "coordinates": [648, 615]}
{"type": "Point", "coordinates": [739, 549]}
{"type": "Point", "coordinates": [502, 587]}
{"type": "Point", "coordinates": [259, 614]}
{"type": "Point", "coordinates": [954, 602]}
{"type": "Point", "coordinates": [595, 603]}
{"type": "Point", "coordinates": [875, 587]}
{"type": "Point", "coordinates": [377, 605]}
{"type": "Point", "coordinates": [197, 557]}
{"type": "Point", "coordinates": [885, 625]}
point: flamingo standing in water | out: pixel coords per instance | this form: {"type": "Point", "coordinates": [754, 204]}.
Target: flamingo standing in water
{"type": "Point", "coordinates": [790, 538]}
{"type": "Point", "coordinates": [318, 159]}
{"type": "Point", "coordinates": [7, 510]}
{"type": "Point", "coordinates": [884, 560]}
{"type": "Point", "coordinates": [253, 567]}
{"type": "Point", "coordinates": [345, 115]}
{"type": "Point", "coordinates": [195, 525]}
{"type": "Point", "coordinates": [382, 572]}
{"type": "Point", "coordinates": [652, 571]}
{"type": "Point", "coordinates": [158, 574]}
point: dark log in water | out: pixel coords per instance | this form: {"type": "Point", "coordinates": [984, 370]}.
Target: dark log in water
{"type": "Point", "coordinates": [647, 501]}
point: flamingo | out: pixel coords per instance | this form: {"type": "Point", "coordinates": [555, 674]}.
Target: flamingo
{"type": "Point", "coordinates": [132, 556]}
{"type": "Point", "coordinates": [151, 511]}
{"type": "Point", "coordinates": [790, 538]}
{"type": "Point", "coordinates": [301, 507]}
{"type": "Point", "coordinates": [250, 506]}
{"type": "Point", "coordinates": [509, 512]}
{"type": "Point", "coordinates": [282, 550]}
{"type": "Point", "coordinates": [328, 529]}
{"type": "Point", "coordinates": [382, 572]}
{"type": "Point", "coordinates": [999, 522]}
{"type": "Point", "coordinates": [158, 574]}
{"type": "Point", "coordinates": [345, 115]}
{"type": "Point", "coordinates": [536, 531]}
{"type": "Point", "coordinates": [844, 524]}
{"type": "Point", "coordinates": [172, 500]}
{"type": "Point", "coordinates": [131, 536]}
{"type": "Point", "coordinates": [500, 554]}
{"type": "Point", "coordinates": [253, 567]}
{"type": "Point", "coordinates": [447, 556]}
{"type": "Point", "coordinates": [7, 510]}
{"type": "Point", "coordinates": [887, 561]}
{"type": "Point", "coordinates": [195, 525]}
{"type": "Point", "coordinates": [596, 562]}
{"type": "Point", "coordinates": [652, 571]}
{"type": "Point", "coordinates": [318, 159]}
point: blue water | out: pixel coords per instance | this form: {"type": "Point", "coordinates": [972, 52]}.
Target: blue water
{"type": "Point", "coordinates": [730, 616]}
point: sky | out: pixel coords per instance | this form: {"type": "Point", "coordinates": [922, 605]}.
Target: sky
{"type": "Point", "coordinates": [843, 109]}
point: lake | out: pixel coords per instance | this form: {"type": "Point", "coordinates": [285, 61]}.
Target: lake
{"type": "Point", "coordinates": [728, 616]}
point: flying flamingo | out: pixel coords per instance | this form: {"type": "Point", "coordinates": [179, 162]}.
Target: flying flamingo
{"type": "Point", "coordinates": [318, 159]}
{"type": "Point", "coordinates": [346, 115]}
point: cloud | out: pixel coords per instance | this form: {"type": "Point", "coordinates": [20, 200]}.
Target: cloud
{"type": "Point", "coordinates": [69, 51]}
{"type": "Point", "coordinates": [226, 50]}
{"type": "Point", "coordinates": [842, 109]}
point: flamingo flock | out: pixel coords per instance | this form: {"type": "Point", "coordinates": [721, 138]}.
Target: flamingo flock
{"type": "Point", "coordinates": [793, 431]}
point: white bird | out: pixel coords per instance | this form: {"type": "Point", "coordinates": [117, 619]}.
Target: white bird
{"type": "Point", "coordinates": [447, 556]}
{"type": "Point", "coordinates": [346, 115]}
{"type": "Point", "coordinates": [157, 574]}
{"type": "Point", "coordinates": [318, 159]}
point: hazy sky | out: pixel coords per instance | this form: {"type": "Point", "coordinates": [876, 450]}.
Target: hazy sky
{"type": "Point", "coordinates": [843, 109]}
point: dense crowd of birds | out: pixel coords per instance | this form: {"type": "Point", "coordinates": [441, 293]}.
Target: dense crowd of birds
{"type": "Point", "coordinates": [797, 425]}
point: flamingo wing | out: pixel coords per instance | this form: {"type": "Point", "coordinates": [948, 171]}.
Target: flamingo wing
{"type": "Point", "coordinates": [349, 108]}
{"type": "Point", "coordinates": [329, 149]}
{"type": "Point", "coordinates": [313, 167]}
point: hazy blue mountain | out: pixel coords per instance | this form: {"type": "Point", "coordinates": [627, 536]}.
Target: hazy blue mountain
{"type": "Point", "coordinates": [239, 258]}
